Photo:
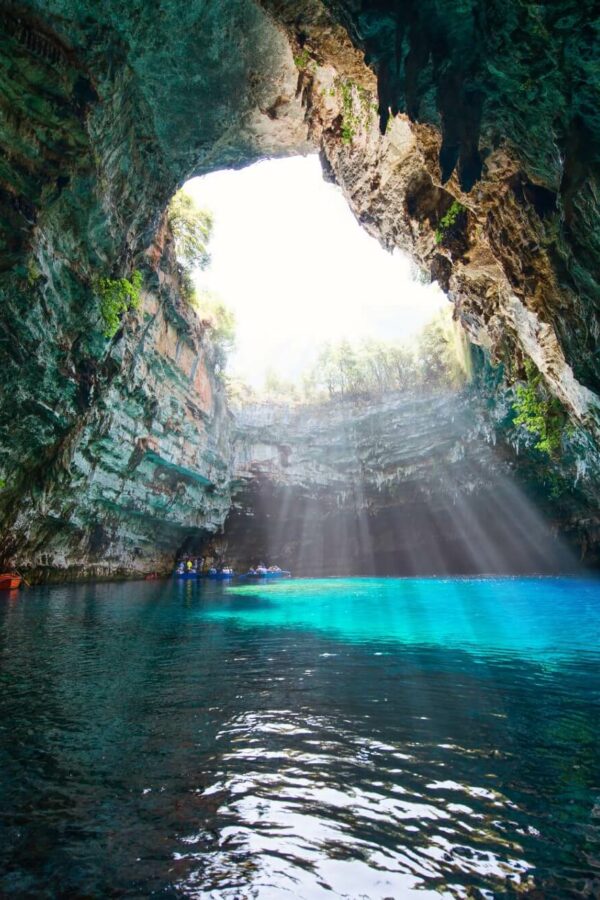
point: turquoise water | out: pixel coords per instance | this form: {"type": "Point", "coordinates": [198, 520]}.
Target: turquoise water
{"type": "Point", "coordinates": [315, 738]}
{"type": "Point", "coordinates": [530, 616]}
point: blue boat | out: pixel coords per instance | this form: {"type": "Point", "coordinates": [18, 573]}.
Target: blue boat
{"type": "Point", "coordinates": [220, 576]}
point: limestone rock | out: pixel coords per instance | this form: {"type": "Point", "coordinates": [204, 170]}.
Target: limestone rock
{"type": "Point", "coordinates": [404, 484]}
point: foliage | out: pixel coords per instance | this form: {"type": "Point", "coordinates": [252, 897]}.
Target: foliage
{"type": "Point", "coordinates": [443, 351]}
{"type": "Point", "coordinates": [372, 368]}
{"type": "Point", "coordinates": [281, 389]}
{"type": "Point", "coordinates": [303, 60]}
{"type": "Point", "coordinates": [239, 393]}
{"type": "Point", "coordinates": [217, 317]}
{"type": "Point", "coordinates": [33, 272]}
{"type": "Point", "coordinates": [192, 229]}
{"type": "Point", "coordinates": [448, 220]}
{"type": "Point", "coordinates": [539, 413]}
{"type": "Point", "coordinates": [356, 108]}
{"type": "Point", "coordinates": [118, 296]}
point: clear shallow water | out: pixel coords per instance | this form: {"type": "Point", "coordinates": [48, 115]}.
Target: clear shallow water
{"type": "Point", "coordinates": [355, 738]}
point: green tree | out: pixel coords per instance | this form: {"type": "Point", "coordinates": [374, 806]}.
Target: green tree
{"type": "Point", "coordinates": [373, 368]}
{"type": "Point", "coordinates": [279, 389]}
{"type": "Point", "coordinates": [443, 352]}
{"type": "Point", "coordinates": [239, 393]}
{"type": "Point", "coordinates": [217, 317]}
{"type": "Point", "coordinates": [404, 368]}
{"type": "Point", "coordinates": [192, 230]}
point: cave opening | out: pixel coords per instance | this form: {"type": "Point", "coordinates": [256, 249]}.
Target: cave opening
{"type": "Point", "coordinates": [298, 272]}
{"type": "Point", "coordinates": [360, 445]}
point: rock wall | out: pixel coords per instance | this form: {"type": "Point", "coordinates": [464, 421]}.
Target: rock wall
{"type": "Point", "coordinates": [489, 104]}
{"type": "Point", "coordinates": [112, 452]}
{"type": "Point", "coordinates": [146, 462]}
{"type": "Point", "coordinates": [402, 485]}
{"type": "Point", "coordinates": [107, 108]}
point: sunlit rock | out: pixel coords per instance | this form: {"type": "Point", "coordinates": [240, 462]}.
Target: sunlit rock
{"type": "Point", "coordinates": [408, 483]}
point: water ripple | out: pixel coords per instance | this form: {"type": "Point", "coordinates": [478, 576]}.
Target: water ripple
{"type": "Point", "coordinates": [153, 742]}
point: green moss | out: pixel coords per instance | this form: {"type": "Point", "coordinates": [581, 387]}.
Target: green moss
{"type": "Point", "coordinates": [448, 221]}
{"type": "Point", "coordinates": [118, 296]}
{"type": "Point", "coordinates": [357, 108]}
{"type": "Point", "coordinates": [33, 272]}
{"type": "Point", "coordinates": [539, 413]}
{"type": "Point", "coordinates": [303, 60]}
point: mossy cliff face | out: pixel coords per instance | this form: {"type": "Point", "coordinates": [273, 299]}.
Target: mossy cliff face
{"type": "Point", "coordinates": [135, 457]}
{"type": "Point", "coordinates": [107, 108]}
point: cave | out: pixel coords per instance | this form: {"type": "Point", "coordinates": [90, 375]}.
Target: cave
{"type": "Point", "coordinates": [95, 145]}
{"type": "Point", "coordinates": [464, 135]}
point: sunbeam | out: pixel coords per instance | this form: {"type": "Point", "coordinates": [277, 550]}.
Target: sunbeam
{"type": "Point", "coordinates": [356, 496]}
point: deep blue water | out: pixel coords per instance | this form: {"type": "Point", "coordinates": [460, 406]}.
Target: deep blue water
{"type": "Point", "coordinates": [360, 738]}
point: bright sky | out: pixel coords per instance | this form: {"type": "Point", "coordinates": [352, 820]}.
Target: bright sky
{"type": "Point", "coordinates": [292, 262]}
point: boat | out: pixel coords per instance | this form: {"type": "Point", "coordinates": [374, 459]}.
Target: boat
{"type": "Point", "coordinates": [220, 576]}
{"type": "Point", "coordinates": [185, 574]}
{"type": "Point", "coordinates": [280, 574]}
{"type": "Point", "coordinates": [9, 581]}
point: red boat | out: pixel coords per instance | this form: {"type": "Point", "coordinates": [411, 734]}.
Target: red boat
{"type": "Point", "coordinates": [10, 582]}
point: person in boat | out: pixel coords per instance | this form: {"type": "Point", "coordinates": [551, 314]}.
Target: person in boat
{"type": "Point", "coordinates": [251, 571]}
{"type": "Point", "coordinates": [274, 569]}
{"type": "Point", "coordinates": [261, 569]}
{"type": "Point", "coordinates": [180, 567]}
{"type": "Point", "coordinates": [189, 565]}
{"type": "Point", "coordinates": [227, 570]}
{"type": "Point", "coordinates": [212, 571]}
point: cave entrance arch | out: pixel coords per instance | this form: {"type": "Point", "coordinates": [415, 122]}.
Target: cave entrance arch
{"type": "Point", "coordinates": [362, 478]}
{"type": "Point", "coordinates": [298, 272]}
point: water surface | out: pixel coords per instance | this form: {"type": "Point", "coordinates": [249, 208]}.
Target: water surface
{"type": "Point", "coordinates": [356, 738]}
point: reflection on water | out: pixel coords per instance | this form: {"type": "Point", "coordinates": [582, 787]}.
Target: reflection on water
{"type": "Point", "coordinates": [356, 738]}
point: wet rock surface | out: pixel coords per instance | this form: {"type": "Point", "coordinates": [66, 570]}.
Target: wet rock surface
{"type": "Point", "coordinates": [107, 108]}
